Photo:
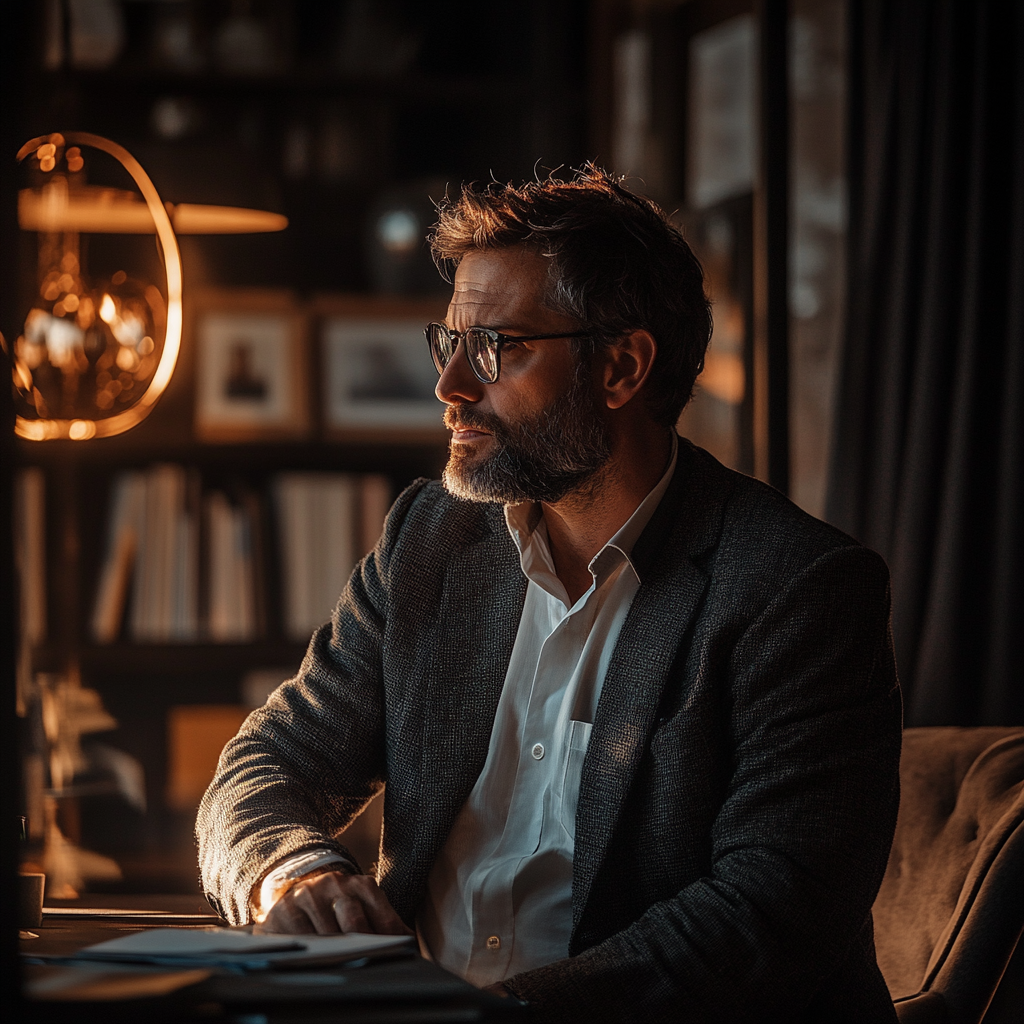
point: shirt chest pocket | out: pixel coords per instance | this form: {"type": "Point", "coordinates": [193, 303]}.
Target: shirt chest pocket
{"type": "Point", "coordinates": [572, 772]}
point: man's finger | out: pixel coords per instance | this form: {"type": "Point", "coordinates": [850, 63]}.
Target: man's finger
{"type": "Point", "coordinates": [286, 918]}
{"type": "Point", "coordinates": [315, 902]}
{"type": "Point", "coordinates": [381, 915]}
{"type": "Point", "coordinates": [350, 915]}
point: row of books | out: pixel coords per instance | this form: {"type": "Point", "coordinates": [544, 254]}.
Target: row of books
{"type": "Point", "coordinates": [186, 565]}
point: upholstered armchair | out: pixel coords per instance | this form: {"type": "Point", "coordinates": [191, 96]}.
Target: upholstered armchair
{"type": "Point", "coordinates": [951, 907]}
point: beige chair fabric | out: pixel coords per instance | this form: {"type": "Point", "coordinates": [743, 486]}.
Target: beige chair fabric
{"type": "Point", "coordinates": [951, 905]}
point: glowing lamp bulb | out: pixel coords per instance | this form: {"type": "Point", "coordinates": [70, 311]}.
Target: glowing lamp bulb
{"type": "Point", "coordinates": [108, 311]}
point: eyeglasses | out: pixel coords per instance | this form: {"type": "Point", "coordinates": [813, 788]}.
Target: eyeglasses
{"type": "Point", "coordinates": [483, 347]}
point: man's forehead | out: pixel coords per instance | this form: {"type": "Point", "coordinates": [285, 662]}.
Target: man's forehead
{"type": "Point", "coordinates": [498, 280]}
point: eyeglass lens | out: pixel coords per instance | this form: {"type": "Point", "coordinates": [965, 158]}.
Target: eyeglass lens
{"type": "Point", "coordinates": [481, 351]}
{"type": "Point", "coordinates": [442, 346]}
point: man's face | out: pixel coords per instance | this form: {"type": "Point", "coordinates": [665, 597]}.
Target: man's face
{"type": "Point", "coordinates": [536, 433]}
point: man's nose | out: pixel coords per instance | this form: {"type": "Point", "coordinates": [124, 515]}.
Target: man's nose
{"type": "Point", "coordinates": [458, 382]}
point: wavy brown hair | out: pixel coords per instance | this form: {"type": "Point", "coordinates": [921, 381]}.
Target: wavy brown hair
{"type": "Point", "coordinates": [617, 265]}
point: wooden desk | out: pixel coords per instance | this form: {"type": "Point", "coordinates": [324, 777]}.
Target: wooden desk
{"type": "Point", "coordinates": [404, 989]}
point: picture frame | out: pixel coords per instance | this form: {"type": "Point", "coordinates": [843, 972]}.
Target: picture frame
{"type": "Point", "coordinates": [251, 365]}
{"type": "Point", "coordinates": [378, 378]}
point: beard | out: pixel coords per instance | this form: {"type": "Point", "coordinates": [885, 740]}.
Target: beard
{"type": "Point", "coordinates": [545, 457]}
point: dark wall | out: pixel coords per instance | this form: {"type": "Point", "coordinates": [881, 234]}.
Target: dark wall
{"type": "Point", "coordinates": [357, 103]}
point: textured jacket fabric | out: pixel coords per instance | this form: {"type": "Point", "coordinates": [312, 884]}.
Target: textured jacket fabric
{"type": "Point", "coordinates": [739, 793]}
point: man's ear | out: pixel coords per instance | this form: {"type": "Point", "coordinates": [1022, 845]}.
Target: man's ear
{"type": "Point", "coordinates": [626, 366]}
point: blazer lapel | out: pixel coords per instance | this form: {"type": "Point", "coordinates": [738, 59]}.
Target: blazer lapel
{"type": "Point", "coordinates": [481, 606]}
{"type": "Point", "coordinates": [685, 524]}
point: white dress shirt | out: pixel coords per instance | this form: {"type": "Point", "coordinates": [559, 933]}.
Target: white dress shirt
{"type": "Point", "coordinates": [499, 895]}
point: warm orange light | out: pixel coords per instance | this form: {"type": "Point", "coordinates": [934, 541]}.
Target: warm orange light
{"type": "Point", "coordinates": [81, 429]}
{"type": "Point", "coordinates": [57, 199]}
{"type": "Point", "coordinates": [724, 377]}
{"type": "Point", "coordinates": [46, 154]}
{"type": "Point", "coordinates": [96, 210]}
{"type": "Point", "coordinates": [108, 311]}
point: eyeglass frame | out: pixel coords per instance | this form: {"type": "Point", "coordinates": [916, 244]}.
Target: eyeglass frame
{"type": "Point", "coordinates": [498, 339]}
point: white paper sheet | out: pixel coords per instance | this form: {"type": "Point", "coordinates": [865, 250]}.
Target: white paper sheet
{"type": "Point", "coordinates": [238, 946]}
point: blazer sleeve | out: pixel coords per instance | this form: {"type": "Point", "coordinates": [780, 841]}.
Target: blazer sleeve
{"type": "Point", "coordinates": [304, 765]}
{"type": "Point", "coordinates": [812, 714]}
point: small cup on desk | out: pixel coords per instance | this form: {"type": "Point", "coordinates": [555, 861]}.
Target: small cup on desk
{"type": "Point", "coordinates": [30, 899]}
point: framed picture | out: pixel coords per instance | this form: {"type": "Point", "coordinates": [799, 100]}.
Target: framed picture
{"type": "Point", "coordinates": [252, 379]}
{"type": "Point", "coordinates": [378, 378]}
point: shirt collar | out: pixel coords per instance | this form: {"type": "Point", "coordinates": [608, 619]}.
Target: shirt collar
{"type": "Point", "coordinates": [526, 526]}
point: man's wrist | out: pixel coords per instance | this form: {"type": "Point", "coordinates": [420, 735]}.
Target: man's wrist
{"type": "Point", "coordinates": [294, 869]}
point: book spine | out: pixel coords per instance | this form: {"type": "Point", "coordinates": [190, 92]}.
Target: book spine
{"type": "Point", "coordinates": [218, 531]}
{"type": "Point", "coordinates": [127, 493]}
{"type": "Point", "coordinates": [184, 617]}
{"type": "Point", "coordinates": [337, 540]}
{"type": "Point", "coordinates": [253, 507]}
{"type": "Point", "coordinates": [193, 517]}
{"type": "Point", "coordinates": [172, 490]}
{"type": "Point", "coordinates": [245, 611]}
{"type": "Point", "coordinates": [292, 500]}
{"type": "Point", "coordinates": [30, 551]}
{"type": "Point", "coordinates": [141, 584]}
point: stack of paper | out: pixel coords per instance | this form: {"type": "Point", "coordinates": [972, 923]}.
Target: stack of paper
{"type": "Point", "coordinates": [241, 949]}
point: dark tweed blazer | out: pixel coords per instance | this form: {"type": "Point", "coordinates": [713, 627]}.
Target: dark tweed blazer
{"type": "Point", "coordinates": [739, 793]}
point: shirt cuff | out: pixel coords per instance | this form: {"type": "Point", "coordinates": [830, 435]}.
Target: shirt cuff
{"type": "Point", "coordinates": [293, 869]}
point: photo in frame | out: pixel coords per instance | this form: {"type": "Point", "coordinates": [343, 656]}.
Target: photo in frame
{"type": "Point", "coordinates": [252, 379]}
{"type": "Point", "coordinates": [378, 378]}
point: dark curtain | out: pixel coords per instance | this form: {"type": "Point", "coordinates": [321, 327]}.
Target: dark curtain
{"type": "Point", "coordinates": [927, 463]}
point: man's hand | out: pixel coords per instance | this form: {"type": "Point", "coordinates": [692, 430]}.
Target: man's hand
{"type": "Point", "coordinates": [334, 902]}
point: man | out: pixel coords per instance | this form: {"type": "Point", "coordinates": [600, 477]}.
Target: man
{"type": "Point", "coordinates": [636, 715]}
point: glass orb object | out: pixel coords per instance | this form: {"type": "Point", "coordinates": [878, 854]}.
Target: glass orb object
{"type": "Point", "coordinates": [94, 354]}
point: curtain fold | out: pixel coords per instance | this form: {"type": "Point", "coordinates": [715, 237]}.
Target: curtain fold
{"type": "Point", "coordinates": [928, 450]}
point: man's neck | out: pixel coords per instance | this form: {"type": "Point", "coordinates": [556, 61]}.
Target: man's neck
{"type": "Point", "coordinates": [582, 523]}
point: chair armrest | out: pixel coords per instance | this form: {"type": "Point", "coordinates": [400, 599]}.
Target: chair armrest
{"type": "Point", "coordinates": [924, 1008]}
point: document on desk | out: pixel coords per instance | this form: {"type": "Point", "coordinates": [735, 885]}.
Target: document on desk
{"type": "Point", "coordinates": [241, 949]}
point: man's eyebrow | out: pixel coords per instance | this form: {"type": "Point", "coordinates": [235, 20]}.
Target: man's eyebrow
{"type": "Point", "coordinates": [499, 327]}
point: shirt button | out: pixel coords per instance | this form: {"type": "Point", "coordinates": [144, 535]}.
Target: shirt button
{"type": "Point", "coordinates": [493, 942]}
{"type": "Point", "coordinates": [538, 750]}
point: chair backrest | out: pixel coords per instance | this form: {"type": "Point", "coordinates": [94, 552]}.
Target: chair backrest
{"type": "Point", "coordinates": [951, 906]}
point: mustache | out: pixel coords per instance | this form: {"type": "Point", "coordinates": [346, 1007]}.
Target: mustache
{"type": "Point", "coordinates": [459, 417]}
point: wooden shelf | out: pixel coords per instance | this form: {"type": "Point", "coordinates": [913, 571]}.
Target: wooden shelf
{"type": "Point", "coordinates": [134, 448]}
{"type": "Point", "coordinates": [412, 89]}
{"type": "Point", "coordinates": [180, 658]}
{"type": "Point", "coordinates": [174, 659]}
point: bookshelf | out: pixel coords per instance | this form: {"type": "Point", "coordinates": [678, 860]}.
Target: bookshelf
{"type": "Point", "coordinates": [523, 102]}
{"type": "Point", "coordinates": [330, 139]}
{"type": "Point", "coordinates": [140, 682]}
